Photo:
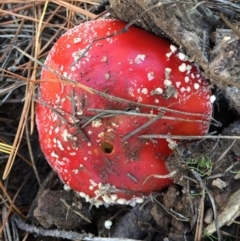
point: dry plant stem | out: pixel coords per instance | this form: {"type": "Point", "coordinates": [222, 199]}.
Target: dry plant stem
{"type": "Point", "coordinates": [28, 104]}
{"type": "Point", "coordinates": [230, 212]}
{"type": "Point", "coordinates": [213, 151]}
{"type": "Point", "coordinates": [77, 212]}
{"type": "Point", "coordinates": [97, 116]}
{"type": "Point", "coordinates": [12, 75]}
{"type": "Point", "coordinates": [5, 148]}
{"type": "Point", "coordinates": [79, 130]}
{"type": "Point", "coordinates": [205, 188]}
{"type": "Point", "coordinates": [10, 208]}
{"type": "Point", "coordinates": [19, 9]}
{"type": "Point", "coordinates": [4, 201]}
{"type": "Point", "coordinates": [24, 17]}
{"type": "Point", "coordinates": [43, 49]}
{"type": "Point", "coordinates": [164, 109]}
{"type": "Point", "coordinates": [39, 3]}
{"type": "Point", "coordinates": [230, 235]}
{"type": "Point", "coordinates": [218, 163]}
{"type": "Point", "coordinates": [190, 179]}
{"type": "Point", "coordinates": [133, 113]}
{"type": "Point", "coordinates": [70, 235]}
{"type": "Point", "coordinates": [75, 122]}
{"type": "Point", "coordinates": [171, 212]}
{"type": "Point", "coordinates": [26, 236]}
{"type": "Point", "coordinates": [199, 228]}
{"type": "Point", "coordinates": [12, 41]}
{"type": "Point", "coordinates": [75, 8]}
{"type": "Point", "coordinates": [230, 167]}
{"type": "Point", "coordinates": [140, 128]}
{"type": "Point", "coordinates": [6, 230]}
{"type": "Point", "coordinates": [225, 4]}
{"type": "Point", "coordinates": [19, 155]}
{"type": "Point", "coordinates": [53, 109]}
{"type": "Point", "coordinates": [15, 208]}
{"type": "Point", "coordinates": [15, 233]}
{"type": "Point", "coordinates": [31, 154]}
{"type": "Point", "coordinates": [64, 80]}
{"type": "Point", "coordinates": [189, 198]}
{"type": "Point", "coordinates": [178, 137]}
{"type": "Point", "coordinates": [19, 134]}
{"type": "Point", "coordinates": [37, 48]}
{"type": "Point", "coordinates": [216, 176]}
{"type": "Point", "coordinates": [230, 25]}
{"type": "Point", "coordinates": [170, 175]}
{"type": "Point", "coordinates": [28, 48]}
{"type": "Point", "coordinates": [10, 88]}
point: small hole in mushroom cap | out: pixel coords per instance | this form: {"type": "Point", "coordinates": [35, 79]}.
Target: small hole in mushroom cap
{"type": "Point", "coordinates": [106, 147]}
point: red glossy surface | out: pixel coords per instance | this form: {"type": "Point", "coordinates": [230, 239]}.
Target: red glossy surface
{"type": "Point", "coordinates": [134, 66]}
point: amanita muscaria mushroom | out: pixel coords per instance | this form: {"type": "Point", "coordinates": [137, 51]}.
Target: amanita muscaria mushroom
{"type": "Point", "coordinates": [92, 139]}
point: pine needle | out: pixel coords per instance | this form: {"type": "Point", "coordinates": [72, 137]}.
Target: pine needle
{"type": "Point", "coordinates": [5, 148]}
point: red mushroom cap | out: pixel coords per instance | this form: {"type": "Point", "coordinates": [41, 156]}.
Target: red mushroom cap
{"type": "Point", "coordinates": [99, 154]}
